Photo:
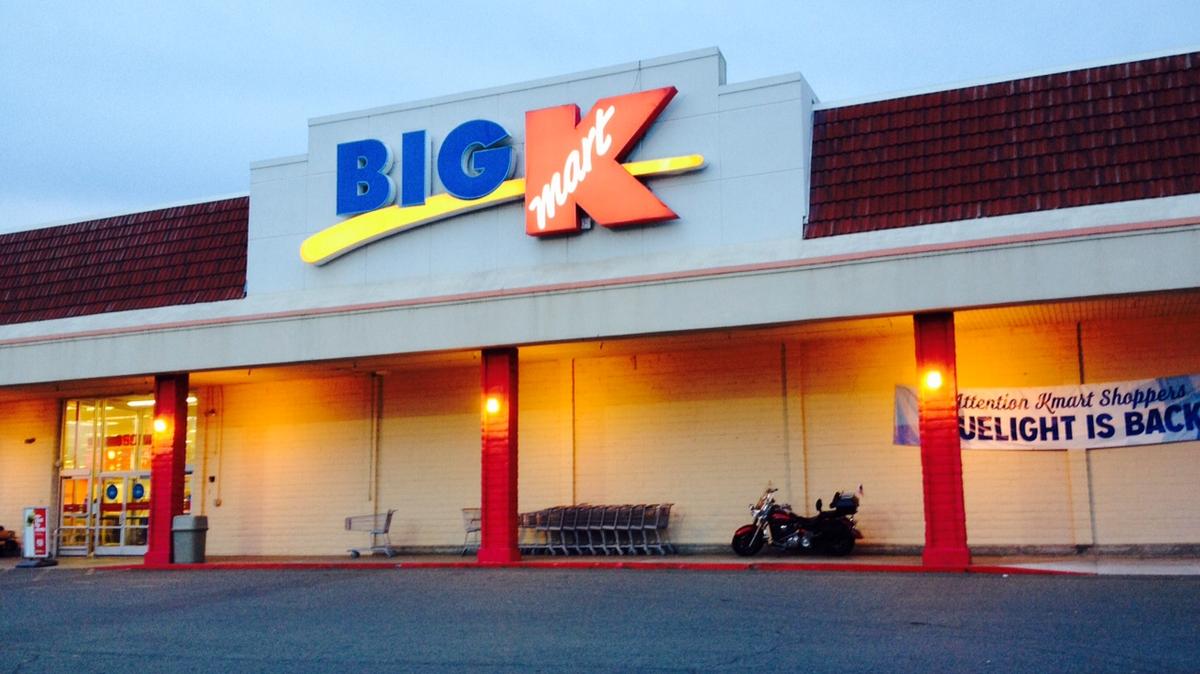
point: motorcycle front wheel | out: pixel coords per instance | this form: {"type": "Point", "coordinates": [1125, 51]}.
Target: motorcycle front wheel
{"type": "Point", "coordinates": [747, 541]}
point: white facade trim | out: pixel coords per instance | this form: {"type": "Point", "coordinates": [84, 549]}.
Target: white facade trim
{"type": "Point", "coordinates": [1020, 272]}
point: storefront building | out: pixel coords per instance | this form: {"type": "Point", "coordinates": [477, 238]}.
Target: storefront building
{"type": "Point", "coordinates": [468, 301]}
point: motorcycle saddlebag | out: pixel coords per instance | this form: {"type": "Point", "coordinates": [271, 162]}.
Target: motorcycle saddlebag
{"type": "Point", "coordinates": [847, 503]}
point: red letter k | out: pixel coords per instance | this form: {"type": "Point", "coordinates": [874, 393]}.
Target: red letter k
{"type": "Point", "coordinates": [570, 164]}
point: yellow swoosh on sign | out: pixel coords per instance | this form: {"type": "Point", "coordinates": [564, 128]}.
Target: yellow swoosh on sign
{"type": "Point", "coordinates": [360, 230]}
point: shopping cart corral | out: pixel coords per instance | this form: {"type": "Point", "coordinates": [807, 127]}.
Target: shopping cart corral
{"type": "Point", "coordinates": [377, 526]}
{"type": "Point", "coordinates": [597, 529]}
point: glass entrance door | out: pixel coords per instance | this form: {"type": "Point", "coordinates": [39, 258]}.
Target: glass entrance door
{"type": "Point", "coordinates": [76, 461]}
{"type": "Point", "coordinates": [124, 514]}
{"type": "Point", "coordinates": [76, 525]}
{"type": "Point", "coordinates": [105, 475]}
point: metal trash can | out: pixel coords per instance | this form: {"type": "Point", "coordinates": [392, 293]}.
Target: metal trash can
{"type": "Point", "coordinates": [188, 534]}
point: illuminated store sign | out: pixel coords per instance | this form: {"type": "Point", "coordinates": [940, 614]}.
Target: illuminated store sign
{"type": "Point", "coordinates": [570, 165]}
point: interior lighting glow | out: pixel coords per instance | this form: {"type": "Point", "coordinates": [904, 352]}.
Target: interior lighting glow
{"type": "Point", "coordinates": [933, 380]}
{"type": "Point", "coordinates": [492, 406]}
{"type": "Point", "coordinates": [160, 425]}
{"type": "Point", "coordinates": [149, 402]}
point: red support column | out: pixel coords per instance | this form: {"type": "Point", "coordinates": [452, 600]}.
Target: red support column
{"type": "Point", "coordinates": [167, 463]}
{"type": "Point", "coordinates": [498, 521]}
{"type": "Point", "coordinates": [941, 453]}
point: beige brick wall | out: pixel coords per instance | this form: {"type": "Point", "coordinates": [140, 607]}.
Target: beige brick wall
{"type": "Point", "coordinates": [1063, 497]}
{"type": "Point", "coordinates": [429, 460]}
{"type": "Point", "coordinates": [27, 471]}
{"type": "Point", "coordinates": [1019, 497]}
{"type": "Point", "coordinates": [294, 465]}
{"type": "Point", "coordinates": [849, 387]}
{"type": "Point", "coordinates": [1149, 494]}
{"type": "Point", "coordinates": [705, 429]}
{"type": "Point", "coordinates": [278, 467]}
{"type": "Point", "coordinates": [546, 456]}
{"type": "Point", "coordinates": [700, 429]}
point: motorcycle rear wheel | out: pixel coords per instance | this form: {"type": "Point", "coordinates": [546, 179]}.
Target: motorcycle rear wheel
{"type": "Point", "coordinates": [840, 543]}
{"type": "Point", "coordinates": [748, 543]}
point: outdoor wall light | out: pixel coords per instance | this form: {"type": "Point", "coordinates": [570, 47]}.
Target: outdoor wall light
{"type": "Point", "coordinates": [933, 380]}
{"type": "Point", "coordinates": [160, 425]}
{"type": "Point", "coordinates": [492, 405]}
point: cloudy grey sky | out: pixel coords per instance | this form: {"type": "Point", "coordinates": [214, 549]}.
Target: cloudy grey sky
{"type": "Point", "coordinates": [110, 107]}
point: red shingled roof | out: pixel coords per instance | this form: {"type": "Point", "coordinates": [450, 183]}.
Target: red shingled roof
{"type": "Point", "coordinates": [182, 255]}
{"type": "Point", "coordinates": [1099, 135]}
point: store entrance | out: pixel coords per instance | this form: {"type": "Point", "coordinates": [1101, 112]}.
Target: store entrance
{"type": "Point", "coordinates": [105, 475]}
{"type": "Point", "coordinates": [124, 514]}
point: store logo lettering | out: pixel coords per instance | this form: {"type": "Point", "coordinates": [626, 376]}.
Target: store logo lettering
{"type": "Point", "coordinates": [556, 193]}
{"type": "Point", "coordinates": [571, 165]}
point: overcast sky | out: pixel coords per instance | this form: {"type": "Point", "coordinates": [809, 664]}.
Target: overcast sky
{"type": "Point", "coordinates": [109, 107]}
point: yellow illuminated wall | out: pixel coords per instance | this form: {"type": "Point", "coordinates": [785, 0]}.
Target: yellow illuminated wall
{"type": "Point", "coordinates": [429, 455]}
{"type": "Point", "coordinates": [701, 429]}
{"type": "Point", "coordinates": [293, 463]}
{"type": "Point", "coordinates": [546, 456]}
{"type": "Point", "coordinates": [27, 470]}
{"type": "Point", "coordinates": [1020, 497]}
{"type": "Point", "coordinates": [1145, 494]}
{"type": "Point", "coordinates": [704, 428]}
{"type": "Point", "coordinates": [848, 386]}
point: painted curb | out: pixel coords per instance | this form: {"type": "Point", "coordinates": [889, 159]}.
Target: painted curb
{"type": "Point", "coordinates": [580, 565]}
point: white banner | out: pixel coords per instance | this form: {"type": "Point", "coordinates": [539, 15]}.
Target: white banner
{"type": "Point", "coordinates": [1113, 414]}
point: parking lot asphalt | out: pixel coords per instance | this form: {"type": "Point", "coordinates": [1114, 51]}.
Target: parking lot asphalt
{"type": "Point", "coordinates": [91, 620]}
{"type": "Point", "coordinates": [1095, 564]}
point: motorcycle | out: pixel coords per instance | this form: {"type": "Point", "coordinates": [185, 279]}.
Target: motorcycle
{"type": "Point", "coordinates": [8, 542]}
{"type": "Point", "coordinates": [830, 531]}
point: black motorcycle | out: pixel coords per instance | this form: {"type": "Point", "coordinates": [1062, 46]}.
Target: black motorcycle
{"type": "Point", "coordinates": [8, 542]}
{"type": "Point", "coordinates": [831, 531]}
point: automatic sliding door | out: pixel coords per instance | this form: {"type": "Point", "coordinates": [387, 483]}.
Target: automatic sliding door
{"type": "Point", "coordinates": [107, 449]}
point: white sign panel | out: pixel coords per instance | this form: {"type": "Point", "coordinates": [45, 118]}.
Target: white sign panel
{"type": "Point", "coordinates": [1113, 414]}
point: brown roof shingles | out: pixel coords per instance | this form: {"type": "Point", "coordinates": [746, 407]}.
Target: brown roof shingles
{"type": "Point", "coordinates": [1098, 135]}
{"type": "Point", "coordinates": [181, 255]}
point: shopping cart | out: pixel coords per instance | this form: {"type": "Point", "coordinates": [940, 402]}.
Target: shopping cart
{"type": "Point", "coordinates": [377, 525]}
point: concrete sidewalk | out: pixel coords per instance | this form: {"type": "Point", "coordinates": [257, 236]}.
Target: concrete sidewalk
{"type": "Point", "coordinates": [1107, 565]}
{"type": "Point", "coordinates": [1114, 565]}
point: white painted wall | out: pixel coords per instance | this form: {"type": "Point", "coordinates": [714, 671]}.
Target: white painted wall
{"type": "Point", "coordinates": [1135, 262]}
{"type": "Point", "coordinates": [755, 138]}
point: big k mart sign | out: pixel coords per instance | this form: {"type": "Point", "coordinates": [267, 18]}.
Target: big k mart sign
{"type": "Point", "coordinates": [572, 165]}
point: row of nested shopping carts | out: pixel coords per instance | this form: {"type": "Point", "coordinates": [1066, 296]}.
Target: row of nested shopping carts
{"type": "Point", "coordinates": [597, 529]}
